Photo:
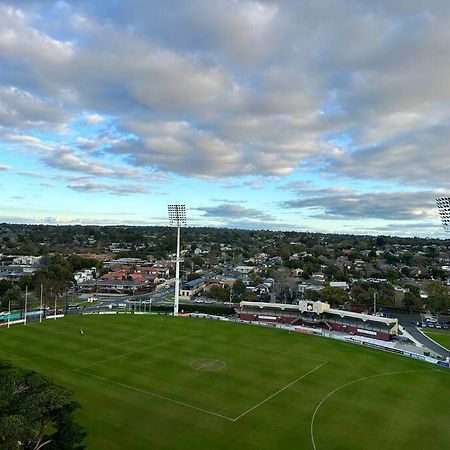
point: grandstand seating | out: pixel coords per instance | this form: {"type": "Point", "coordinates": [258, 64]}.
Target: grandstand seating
{"type": "Point", "coordinates": [319, 314]}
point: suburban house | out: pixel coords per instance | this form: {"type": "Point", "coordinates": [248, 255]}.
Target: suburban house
{"type": "Point", "coordinates": [244, 270]}
{"type": "Point", "coordinates": [191, 288]}
{"type": "Point", "coordinates": [339, 284]}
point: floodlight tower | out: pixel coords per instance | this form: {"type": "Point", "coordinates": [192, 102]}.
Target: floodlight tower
{"type": "Point", "coordinates": [177, 218]}
{"type": "Point", "coordinates": [443, 204]}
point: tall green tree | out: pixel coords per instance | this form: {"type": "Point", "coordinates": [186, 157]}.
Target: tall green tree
{"type": "Point", "coordinates": [238, 290]}
{"type": "Point", "coordinates": [334, 295]}
{"type": "Point", "coordinates": [361, 295]}
{"type": "Point", "coordinates": [219, 293]}
{"type": "Point", "coordinates": [35, 413]}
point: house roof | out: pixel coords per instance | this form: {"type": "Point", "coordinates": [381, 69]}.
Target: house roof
{"type": "Point", "coordinates": [194, 283]}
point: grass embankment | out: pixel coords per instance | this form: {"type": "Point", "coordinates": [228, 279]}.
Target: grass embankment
{"type": "Point", "coordinates": [440, 336]}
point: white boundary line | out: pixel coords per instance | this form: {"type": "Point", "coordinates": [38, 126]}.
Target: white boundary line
{"type": "Point", "coordinates": [52, 355]}
{"type": "Point", "coordinates": [349, 384]}
{"type": "Point", "coordinates": [207, 364]}
{"type": "Point", "coordinates": [196, 407]}
{"type": "Point", "coordinates": [162, 397]}
{"type": "Point", "coordinates": [279, 391]}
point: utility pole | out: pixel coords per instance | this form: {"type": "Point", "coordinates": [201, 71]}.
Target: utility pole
{"type": "Point", "coordinates": [374, 303]}
{"type": "Point", "coordinates": [9, 312]}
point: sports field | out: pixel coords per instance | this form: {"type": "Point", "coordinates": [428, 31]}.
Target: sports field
{"type": "Point", "coordinates": [440, 336]}
{"type": "Point", "coordinates": [154, 382]}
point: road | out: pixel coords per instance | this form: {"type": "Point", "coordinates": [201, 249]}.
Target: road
{"type": "Point", "coordinates": [427, 342]}
{"type": "Point", "coordinates": [408, 321]}
{"type": "Point", "coordinates": [155, 298]}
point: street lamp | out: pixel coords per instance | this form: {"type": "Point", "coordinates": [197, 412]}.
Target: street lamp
{"type": "Point", "coordinates": [177, 218]}
{"type": "Point", "coordinates": [443, 204]}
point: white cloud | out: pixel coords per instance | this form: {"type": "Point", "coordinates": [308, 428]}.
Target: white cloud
{"type": "Point", "coordinates": [21, 41]}
{"type": "Point", "coordinates": [115, 189]}
{"type": "Point", "coordinates": [93, 119]}
{"type": "Point", "coordinates": [244, 88]}
{"type": "Point", "coordinates": [67, 159]}
{"type": "Point", "coordinates": [233, 211]}
{"type": "Point", "coordinates": [20, 109]}
{"type": "Point", "coordinates": [345, 203]}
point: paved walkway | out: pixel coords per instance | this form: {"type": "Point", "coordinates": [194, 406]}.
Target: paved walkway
{"type": "Point", "coordinates": [409, 336]}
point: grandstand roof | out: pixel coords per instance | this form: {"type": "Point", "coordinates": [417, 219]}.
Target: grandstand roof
{"type": "Point", "coordinates": [364, 317]}
{"type": "Point", "coordinates": [318, 307]}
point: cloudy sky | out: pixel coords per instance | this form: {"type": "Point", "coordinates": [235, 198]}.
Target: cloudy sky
{"type": "Point", "coordinates": [319, 115]}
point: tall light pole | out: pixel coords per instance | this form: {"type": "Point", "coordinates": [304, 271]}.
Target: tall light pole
{"type": "Point", "coordinates": [41, 306]}
{"type": "Point", "coordinates": [443, 204]}
{"type": "Point", "coordinates": [26, 303]}
{"type": "Point", "coordinates": [177, 218]}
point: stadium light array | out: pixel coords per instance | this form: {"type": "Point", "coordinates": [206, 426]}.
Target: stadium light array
{"type": "Point", "coordinates": [177, 218]}
{"type": "Point", "coordinates": [443, 204]}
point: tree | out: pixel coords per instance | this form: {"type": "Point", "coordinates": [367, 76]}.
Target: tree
{"type": "Point", "coordinates": [13, 296]}
{"type": "Point", "coordinates": [435, 288]}
{"type": "Point", "coordinates": [238, 290]}
{"type": "Point", "coordinates": [191, 276]}
{"type": "Point", "coordinates": [386, 294]}
{"type": "Point", "coordinates": [26, 281]}
{"type": "Point", "coordinates": [392, 275]}
{"type": "Point", "coordinates": [407, 258]}
{"type": "Point", "coordinates": [4, 286]}
{"type": "Point", "coordinates": [55, 278]}
{"type": "Point", "coordinates": [334, 295]}
{"type": "Point", "coordinates": [390, 258]}
{"type": "Point", "coordinates": [81, 262]}
{"type": "Point", "coordinates": [198, 261]}
{"type": "Point", "coordinates": [284, 252]}
{"type": "Point", "coordinates": [285, 287]}
{"type": "Point", "coordinates": [405, 271]}
{"type": "Point", "coordinates": [334, 272]}
{"type": "Point", "coordinates": [219, 293]}
{"type": "Point", "coordinates": [412, 301]}
{"type": "Point", "coordinates": [313, 295]}
{"type": "Point", "coordinates": [250, 296]}
{"type": "Point", "coordinates": [438, 300]}
{"type": "Point", "coordinates": [437, 273]}
{"type": "Point", "coordinates": [361, 296]}
{"type": "Point", "coordinates": [413, 289]}
{"type": "Point", "coordinates": [255, 278]}
{"type": "Point", "coordinates": [439, 304]}
{"type": "Point", "coordinates": [35, 413]}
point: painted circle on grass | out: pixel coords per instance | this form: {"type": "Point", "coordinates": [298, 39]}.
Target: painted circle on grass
{"type": "Point", "coordinates": [207, 364]}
